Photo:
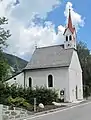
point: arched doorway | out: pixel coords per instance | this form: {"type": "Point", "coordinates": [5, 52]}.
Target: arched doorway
{"type": "Point", "coordinates": [30, 82]}
{"type": "Point", "coordinates": [76, 92]}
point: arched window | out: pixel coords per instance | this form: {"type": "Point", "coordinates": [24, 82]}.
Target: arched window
{"type": "Point", "coordinates": [50, 81]}
{"type": "Point", "coordinates": [30, 82]}
{"type": "Point", "coordinates": [66, 38]}
{"type": "Point", "coordinates": [70, 37]}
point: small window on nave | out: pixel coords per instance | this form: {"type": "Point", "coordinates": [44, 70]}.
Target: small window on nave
{"type": "Point", "coordinates": [50, 81]}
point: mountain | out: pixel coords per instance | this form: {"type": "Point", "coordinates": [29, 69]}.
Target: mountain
{"type": "Point", "coordinates": [15, 62]}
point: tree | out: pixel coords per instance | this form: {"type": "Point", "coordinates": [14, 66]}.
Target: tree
{"type": "Point", "coordinates": [4, 35]}
{"type": "Point", "coordinates": [85, 60]}
{"type": "Point", "coordinates": [4, 68]}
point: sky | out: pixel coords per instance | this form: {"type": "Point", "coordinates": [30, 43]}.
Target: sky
{"type": "Point", "coordinates": [42, 23]}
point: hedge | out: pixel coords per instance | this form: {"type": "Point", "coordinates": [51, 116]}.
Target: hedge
{"type": "Point", "coordinates": [42, 94]}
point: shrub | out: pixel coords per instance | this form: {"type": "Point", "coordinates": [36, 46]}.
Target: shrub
{"type": "Point", "coordinates": [42, 95]}
{"type": "Point", "coordinates": [18, 102]}
{"type": "Point", "coordinates": [19, 96]}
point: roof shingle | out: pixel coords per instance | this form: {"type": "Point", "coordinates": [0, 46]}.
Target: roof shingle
{"type": "Point", "coordinates": [52, 56]}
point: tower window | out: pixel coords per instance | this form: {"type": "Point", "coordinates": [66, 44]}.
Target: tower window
{"type": "Point", "coordinates": [50, 81]}
{"type": "Point", "coordinates": [66, 38]}
{"type": "Point", "coordinates": [30, 82]}
{"type": "Point", "coordinates": [70, 37]}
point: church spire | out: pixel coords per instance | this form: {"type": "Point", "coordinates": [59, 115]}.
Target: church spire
{"type": "Point", "coordinates": [69, 25]}
{"type": "Point", "coordinates": [70, 34]}
{"type": "Point", "coordinates": [69, 20]}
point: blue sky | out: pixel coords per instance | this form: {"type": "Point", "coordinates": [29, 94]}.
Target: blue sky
{"type": "Point", "coordinates": [83, 8]}
{"type": "Point", "coordinates": [42, 22]}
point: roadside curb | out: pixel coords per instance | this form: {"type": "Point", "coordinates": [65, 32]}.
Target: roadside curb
{"type": "Point", "coordinates": [60, 108]}
{"type": "Point", "coordinates": [47, 111]}
{"type": "Point", "coordinates": [54, 110]}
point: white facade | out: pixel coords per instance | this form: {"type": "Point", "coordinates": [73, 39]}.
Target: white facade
{"type": "Point", "coordinates": [67, 78]}
{"type": "Point", "coordinates": [70, 43]}
{"type": "Point", "coordinates": [17, 79]}
{"type": "Point", "coordinates": [63, 78]}
{"type": "Point", "coordinates": [40, 78]}
{"type": "Point", "coordinates": [75, 78]}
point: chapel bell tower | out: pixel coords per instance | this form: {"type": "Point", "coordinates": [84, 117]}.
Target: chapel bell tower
{"type": "Point", "coordinates": [70, 34]}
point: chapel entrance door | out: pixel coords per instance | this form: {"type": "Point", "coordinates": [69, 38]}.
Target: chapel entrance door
{"type": "Point", "coordinates": [76, 93]}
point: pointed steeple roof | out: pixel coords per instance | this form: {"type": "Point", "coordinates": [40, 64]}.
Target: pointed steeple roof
{"type": "Point", "coordinates": [69, 20]}
{"type": "Point", "coordinates": [70, 26]}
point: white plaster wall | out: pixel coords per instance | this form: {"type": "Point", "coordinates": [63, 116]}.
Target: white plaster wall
{"type": "Point", "coordinates": [19, 79]}
{"type": "Point", "coordinates": [75, 78]}
{"type": "Point", "coordinates": [40, 78]}
{"type": "Point", "coordinates": [68, 32]}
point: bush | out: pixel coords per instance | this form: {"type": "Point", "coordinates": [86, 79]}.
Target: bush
{"type": "Point", "coordinates": [4, 93]}
{"type": "Point", "coordinates": [86, 91]}
{"type": "Point", "coordinates": [24, 97]}
{"type": "Point", "coordinates": [42, 95]}
{"type": "Point", "coordinates": [18, 102]}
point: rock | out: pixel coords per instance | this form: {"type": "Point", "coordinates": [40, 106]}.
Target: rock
{"type": "Point", "coordinates": [41, 105]}
{"type": "Point", "coordinates": [56, 104]}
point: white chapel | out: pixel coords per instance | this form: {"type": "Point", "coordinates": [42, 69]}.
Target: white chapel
{"type": "Point", "coordinates": [55, 67]}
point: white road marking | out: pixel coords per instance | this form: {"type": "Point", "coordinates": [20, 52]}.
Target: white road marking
{"type": "Point", "coordinates": [58, 111]}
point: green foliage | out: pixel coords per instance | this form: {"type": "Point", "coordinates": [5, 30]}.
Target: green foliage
{"type": "Point", "coordinates": [15, 62]}
{"type": "Point", "coordinates": [86, 91]}
{"type": "Point", "coordinates": [85, 60]}
{"type": "Point", "coordinates": [19, 96]}
{"type": "Point", "coordinates": [4, 69]}
{"type": "Point", "coordinates": [4, 92]}
{"type": "Point", "coordinates": [7, 60]}
{"type": "Point", "coordinates": [4, 34]}
{"type": "Point", "coordinates": [42, 95]}
{"type": "Point", "coordinates": [18, 101]}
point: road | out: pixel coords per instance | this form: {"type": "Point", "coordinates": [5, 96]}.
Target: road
{"type": "Point", "coordinates": [80, 112]}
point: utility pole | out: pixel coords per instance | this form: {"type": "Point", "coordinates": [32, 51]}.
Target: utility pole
{"type": "Point", "coordinates": [34, 104]}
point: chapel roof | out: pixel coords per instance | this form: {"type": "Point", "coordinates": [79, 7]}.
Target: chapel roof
{"type": "Point", "coordinates": [50, 57]}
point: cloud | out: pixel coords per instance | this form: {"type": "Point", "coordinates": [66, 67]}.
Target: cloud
{"type": "Point", "coordinates": [24, 11]}
{"type": "Point", "coordinates": [77, 19]}
{"type": "Point", "coordinates": [27, 26]}
{"type": "Point", "coordinates": [24, 30]}
{"type": "Point", "coordinates": [29, 37]}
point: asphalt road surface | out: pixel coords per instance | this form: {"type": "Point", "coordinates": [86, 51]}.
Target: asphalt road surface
{"type": "Point", "coordinates": [80, 112]}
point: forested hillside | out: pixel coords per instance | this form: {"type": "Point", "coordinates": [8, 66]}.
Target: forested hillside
{"type": "Point", "coordinates": [15, 62]}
